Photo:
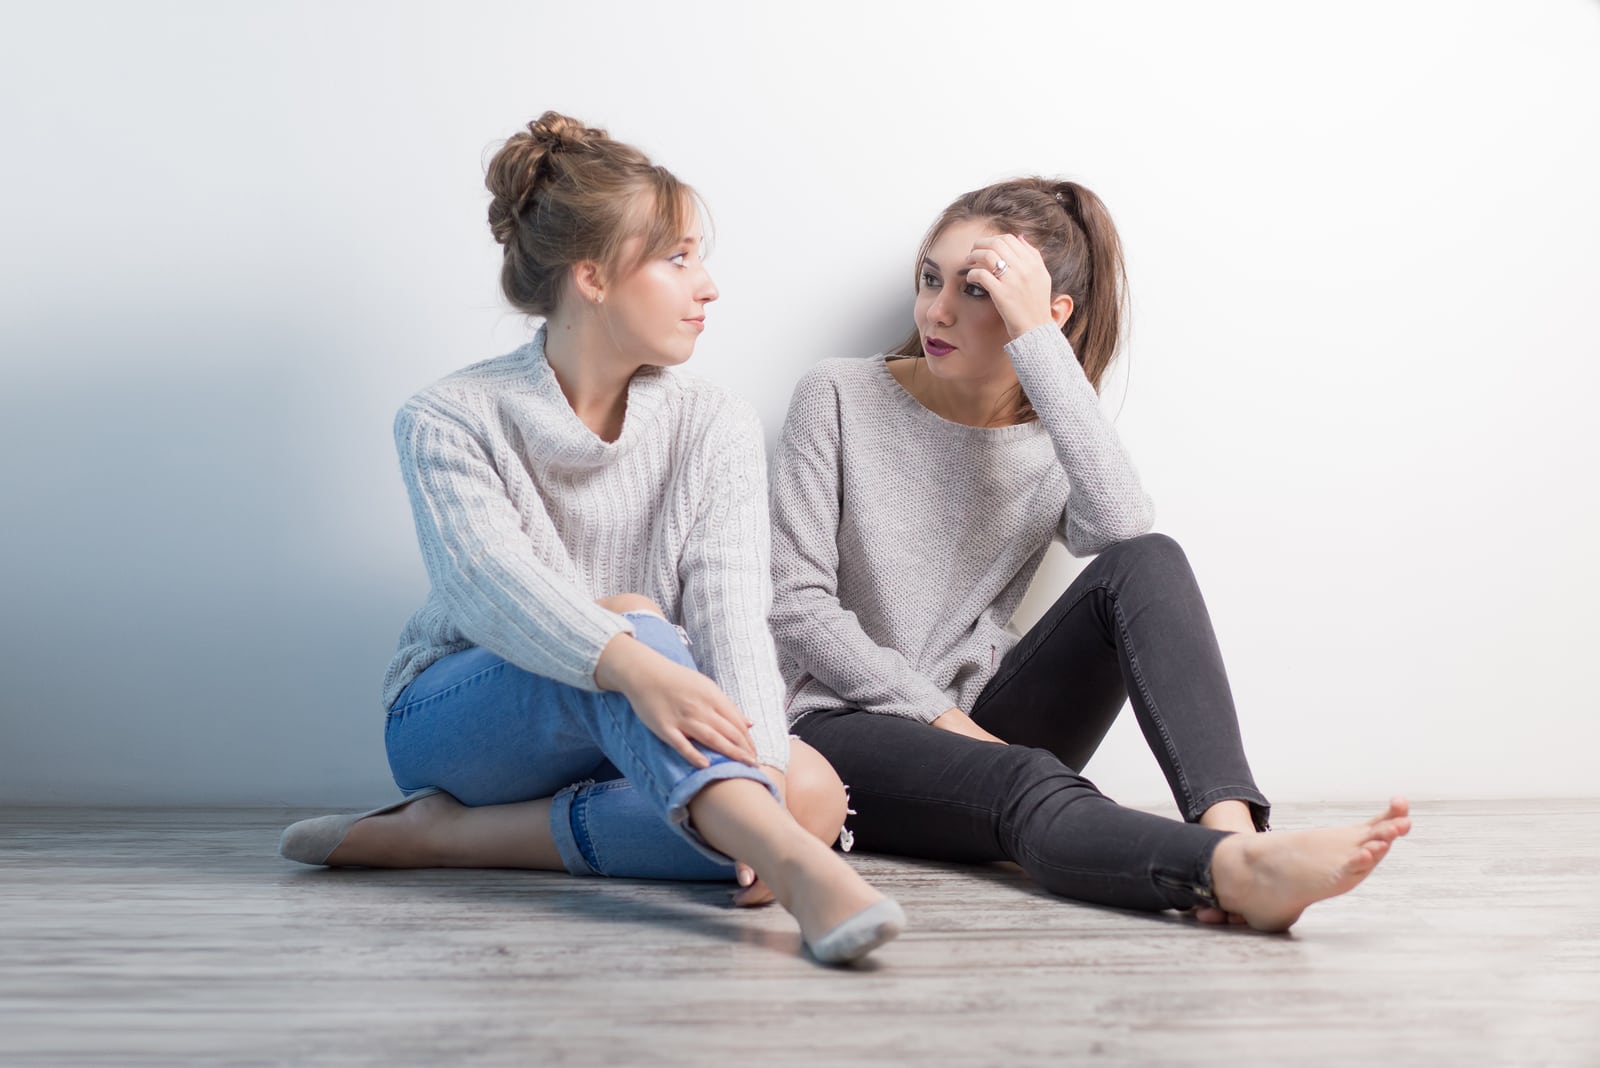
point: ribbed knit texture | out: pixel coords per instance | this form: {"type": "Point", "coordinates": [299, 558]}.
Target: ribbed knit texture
{"type": "Point", "coordinates": [903, 542]}
{"type": "Point", "coordinates": [525, 517]}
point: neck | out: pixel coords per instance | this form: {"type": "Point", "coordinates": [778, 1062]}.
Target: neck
{"type": "Point", "coordinates": [982, 403]}
{"type": "Point", "coordinates": [591, 370]}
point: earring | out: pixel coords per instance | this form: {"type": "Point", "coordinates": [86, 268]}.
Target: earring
{"type": "Point", "coordinates": [599, 298]}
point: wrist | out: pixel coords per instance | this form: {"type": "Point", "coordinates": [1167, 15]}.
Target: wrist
{"type": "Point", "coordinates": [1023, 328]}
{"type": "Point", "coordinates": [620, 662]}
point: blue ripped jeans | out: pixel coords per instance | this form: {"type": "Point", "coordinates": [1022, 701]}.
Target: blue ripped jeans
{"type": "Point", "coordinates": [489, 733]}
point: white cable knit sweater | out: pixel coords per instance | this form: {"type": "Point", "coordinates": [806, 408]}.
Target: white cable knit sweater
{"type": "Point", "coordinates": [525, 517]}
{"type": "Point", "coordinates": [903, 542]}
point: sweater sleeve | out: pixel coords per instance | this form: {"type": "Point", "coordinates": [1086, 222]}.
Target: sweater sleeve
{"type": "Point", "coordinates": [1105, 502]}
{"type": "Point", "coordinates": [482, 563]}
{"type": "Point", "coordinates": [810, 624]}
{"type": "Point", "coordinates": [727, 586]}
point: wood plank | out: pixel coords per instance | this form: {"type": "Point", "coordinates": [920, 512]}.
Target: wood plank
{"type": "Point", "coordinates": [162, 937]}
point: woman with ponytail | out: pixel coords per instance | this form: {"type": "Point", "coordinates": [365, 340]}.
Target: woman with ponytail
{"type": "Point", "coordinates": [591, 685]}
{"type": "Point", "coordinates": [914, 497]}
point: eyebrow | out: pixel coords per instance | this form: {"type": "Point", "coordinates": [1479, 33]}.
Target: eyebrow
{"type": "Point", "coordinates": [926, 262]}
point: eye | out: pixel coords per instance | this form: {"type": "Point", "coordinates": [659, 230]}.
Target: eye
{"type": "Point", "coordinates": [677, 258]}
{"type": "Point", "coordinates": [976, 291]}
{"type": "Point", "coordinates": [930, 280]}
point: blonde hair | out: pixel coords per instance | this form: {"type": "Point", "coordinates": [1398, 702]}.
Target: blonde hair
{"type": "Point", "coordinates": [565, 193]}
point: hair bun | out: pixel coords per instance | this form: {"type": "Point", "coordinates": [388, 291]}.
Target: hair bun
{"type": "Point", "coordinates": [528, 162]}
{"type": "Point", "coordinates": [556, 132]}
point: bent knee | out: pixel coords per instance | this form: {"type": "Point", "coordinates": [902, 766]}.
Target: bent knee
{"type": "Point", "coordinates": [1148, 553]}
{"type": "Point", "coordinates": [630, 602]}
{"type": "Point", "coordinates": [1152, 544]}
{"type": "Point", "coordinates": [814, 793]}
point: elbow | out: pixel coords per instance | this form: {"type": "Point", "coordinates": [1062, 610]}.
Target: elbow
{"type": "Point", "coordinates": [1083, 539]}
{"type": "Point", "coordinates": [791, 607]}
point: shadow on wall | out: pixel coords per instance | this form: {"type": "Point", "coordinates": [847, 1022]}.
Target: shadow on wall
{"type": "Point", "coordinates": [206, 562]}
{"type": "Point", "coordinates": [209, 555]}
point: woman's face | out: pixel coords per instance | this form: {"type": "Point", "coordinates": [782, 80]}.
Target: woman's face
{"type": "Point", "coordinates": [657, 311]}
{"type": "Point", "coordinates": [962, 334]}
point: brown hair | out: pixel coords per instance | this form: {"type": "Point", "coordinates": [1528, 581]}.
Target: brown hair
{"type": "Point", "coordinates": [1072, 230]}
{"type": "Point", "coordinates": [565, 193]}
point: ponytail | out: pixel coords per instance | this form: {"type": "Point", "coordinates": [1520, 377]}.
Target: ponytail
{"type": "Point", "coordinates": [1097, 281]}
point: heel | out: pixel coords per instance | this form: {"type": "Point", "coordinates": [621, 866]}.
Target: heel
{"type": "Point", "coordinates": [313, 841]}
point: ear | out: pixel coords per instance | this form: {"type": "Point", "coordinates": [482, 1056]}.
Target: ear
{"type": "Point", "coordinates": [589, 281]}
{"type": "Point", "coordinates": [1060, 309]}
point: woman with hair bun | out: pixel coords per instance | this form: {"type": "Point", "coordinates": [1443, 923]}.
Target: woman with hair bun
{"type": "Point", "coordinates": [591, 685]}
{"type": "Point", "coordinates": [914, 497]}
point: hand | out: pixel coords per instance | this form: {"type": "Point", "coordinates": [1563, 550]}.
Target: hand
{"type": "Point", "coordinates": [678, 704]}
{"type": "Point", "coordinates": [958, 722]}
{"type": "Point", "coordinates": [1021, 292]}
{"type": "Point", "coordinates": [752, 891]}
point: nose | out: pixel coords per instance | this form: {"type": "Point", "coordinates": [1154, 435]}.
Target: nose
{"type": "Point", "coordinates": [706, 291]}
{"type": "Point", "coordinates": [941, 312]}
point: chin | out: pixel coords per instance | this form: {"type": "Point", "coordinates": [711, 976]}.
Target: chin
{"type": "Point", "coordinates": [671, 357]}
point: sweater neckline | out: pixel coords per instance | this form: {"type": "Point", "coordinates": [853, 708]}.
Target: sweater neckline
{"type": "Point", "coordinates": [903, 399]}
{"type": "Point", "coordinates": [576, 445]}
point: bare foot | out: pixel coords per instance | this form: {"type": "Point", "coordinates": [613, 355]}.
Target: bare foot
{"type": "Point", "coordinates": [1234, 817]}
{"type": "Point", "coordinates": [1270, 879]}
{"type": "Point", "coordinates": [399, 839]}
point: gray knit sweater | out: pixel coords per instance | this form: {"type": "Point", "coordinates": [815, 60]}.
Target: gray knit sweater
{"type": "Point", "coordinates": [524, 517]}
{"type": "Point", "coordinates": [903, 542]}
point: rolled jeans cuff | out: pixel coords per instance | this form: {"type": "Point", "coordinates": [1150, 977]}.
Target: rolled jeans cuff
{"type": "Point", "coordinates": [561, 830]}
{"type": "Point", "coordinates": [678, 799]}
{"type": "Point", "coordinates": [1260, 808]}
{"type": "Point", "coordinates": [572, 848]}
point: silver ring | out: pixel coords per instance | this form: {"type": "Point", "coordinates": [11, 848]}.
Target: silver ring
{"type": "Point", "coordinates": [1000, 267]}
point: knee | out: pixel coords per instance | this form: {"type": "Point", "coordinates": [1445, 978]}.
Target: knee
{"type": "Point", "coordinates": [1148, 554]}
{"type": "Point", "coordinates": [630, 602]}
{"type": "Point", "coordinates": [813, 792]}
{"type": "Point", "coordinates": [1039, 787]}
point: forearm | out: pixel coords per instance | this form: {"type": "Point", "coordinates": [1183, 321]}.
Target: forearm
{"type": "Point", "coordinates": [828, 643]}
{"type": "Point", "coordinates": [1106, 502]}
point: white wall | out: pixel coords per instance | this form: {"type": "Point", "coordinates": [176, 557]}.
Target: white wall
{"type": "Point", "coordinates": [1362, 241]}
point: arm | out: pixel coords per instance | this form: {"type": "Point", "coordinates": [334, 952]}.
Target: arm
{"type": "Point", "coordinates": [482, 563]}
{"type": "Point", "coordinates": [727, 586]}
{"type": "Point", "coordinates": [1105, 502]}
{"type": "Point", "coordinates": [807, 619]}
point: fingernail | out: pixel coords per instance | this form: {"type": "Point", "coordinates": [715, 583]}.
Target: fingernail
{"type": "Point", "coordinates": [746, 876]}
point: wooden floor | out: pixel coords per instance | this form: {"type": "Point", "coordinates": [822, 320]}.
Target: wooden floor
{"type": "Point", "coordinates": [175, 937]}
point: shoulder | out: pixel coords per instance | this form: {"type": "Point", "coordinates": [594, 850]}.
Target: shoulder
{"type": "Point", "coordinates": [841, 374]}
{"type": "Point", "coordinates": [466, 397]}
{"type": "Point", "coordinates": [833, 387]}
{"type": "Point", "coordinates": [712, 414]}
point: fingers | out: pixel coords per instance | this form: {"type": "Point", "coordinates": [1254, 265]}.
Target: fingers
{"type": "Point", "coordinates": [1006, 245]}
{"type": "Point", "coordinates": [735, 719]}
{"type": "Point", "coordinates": [982, 278]}
{"type": "Point", "coordinates": [715, 736]}
{"type": "Point", "coordinates": [683, 747]}
{"type": "Point", "coordinates": [753, 895]}
{"type": "Point", "coordinates": [752, 891]}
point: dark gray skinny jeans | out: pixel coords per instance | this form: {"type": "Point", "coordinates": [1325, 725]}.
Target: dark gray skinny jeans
{"type": "Point", "coordinates": [1133, 626]}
